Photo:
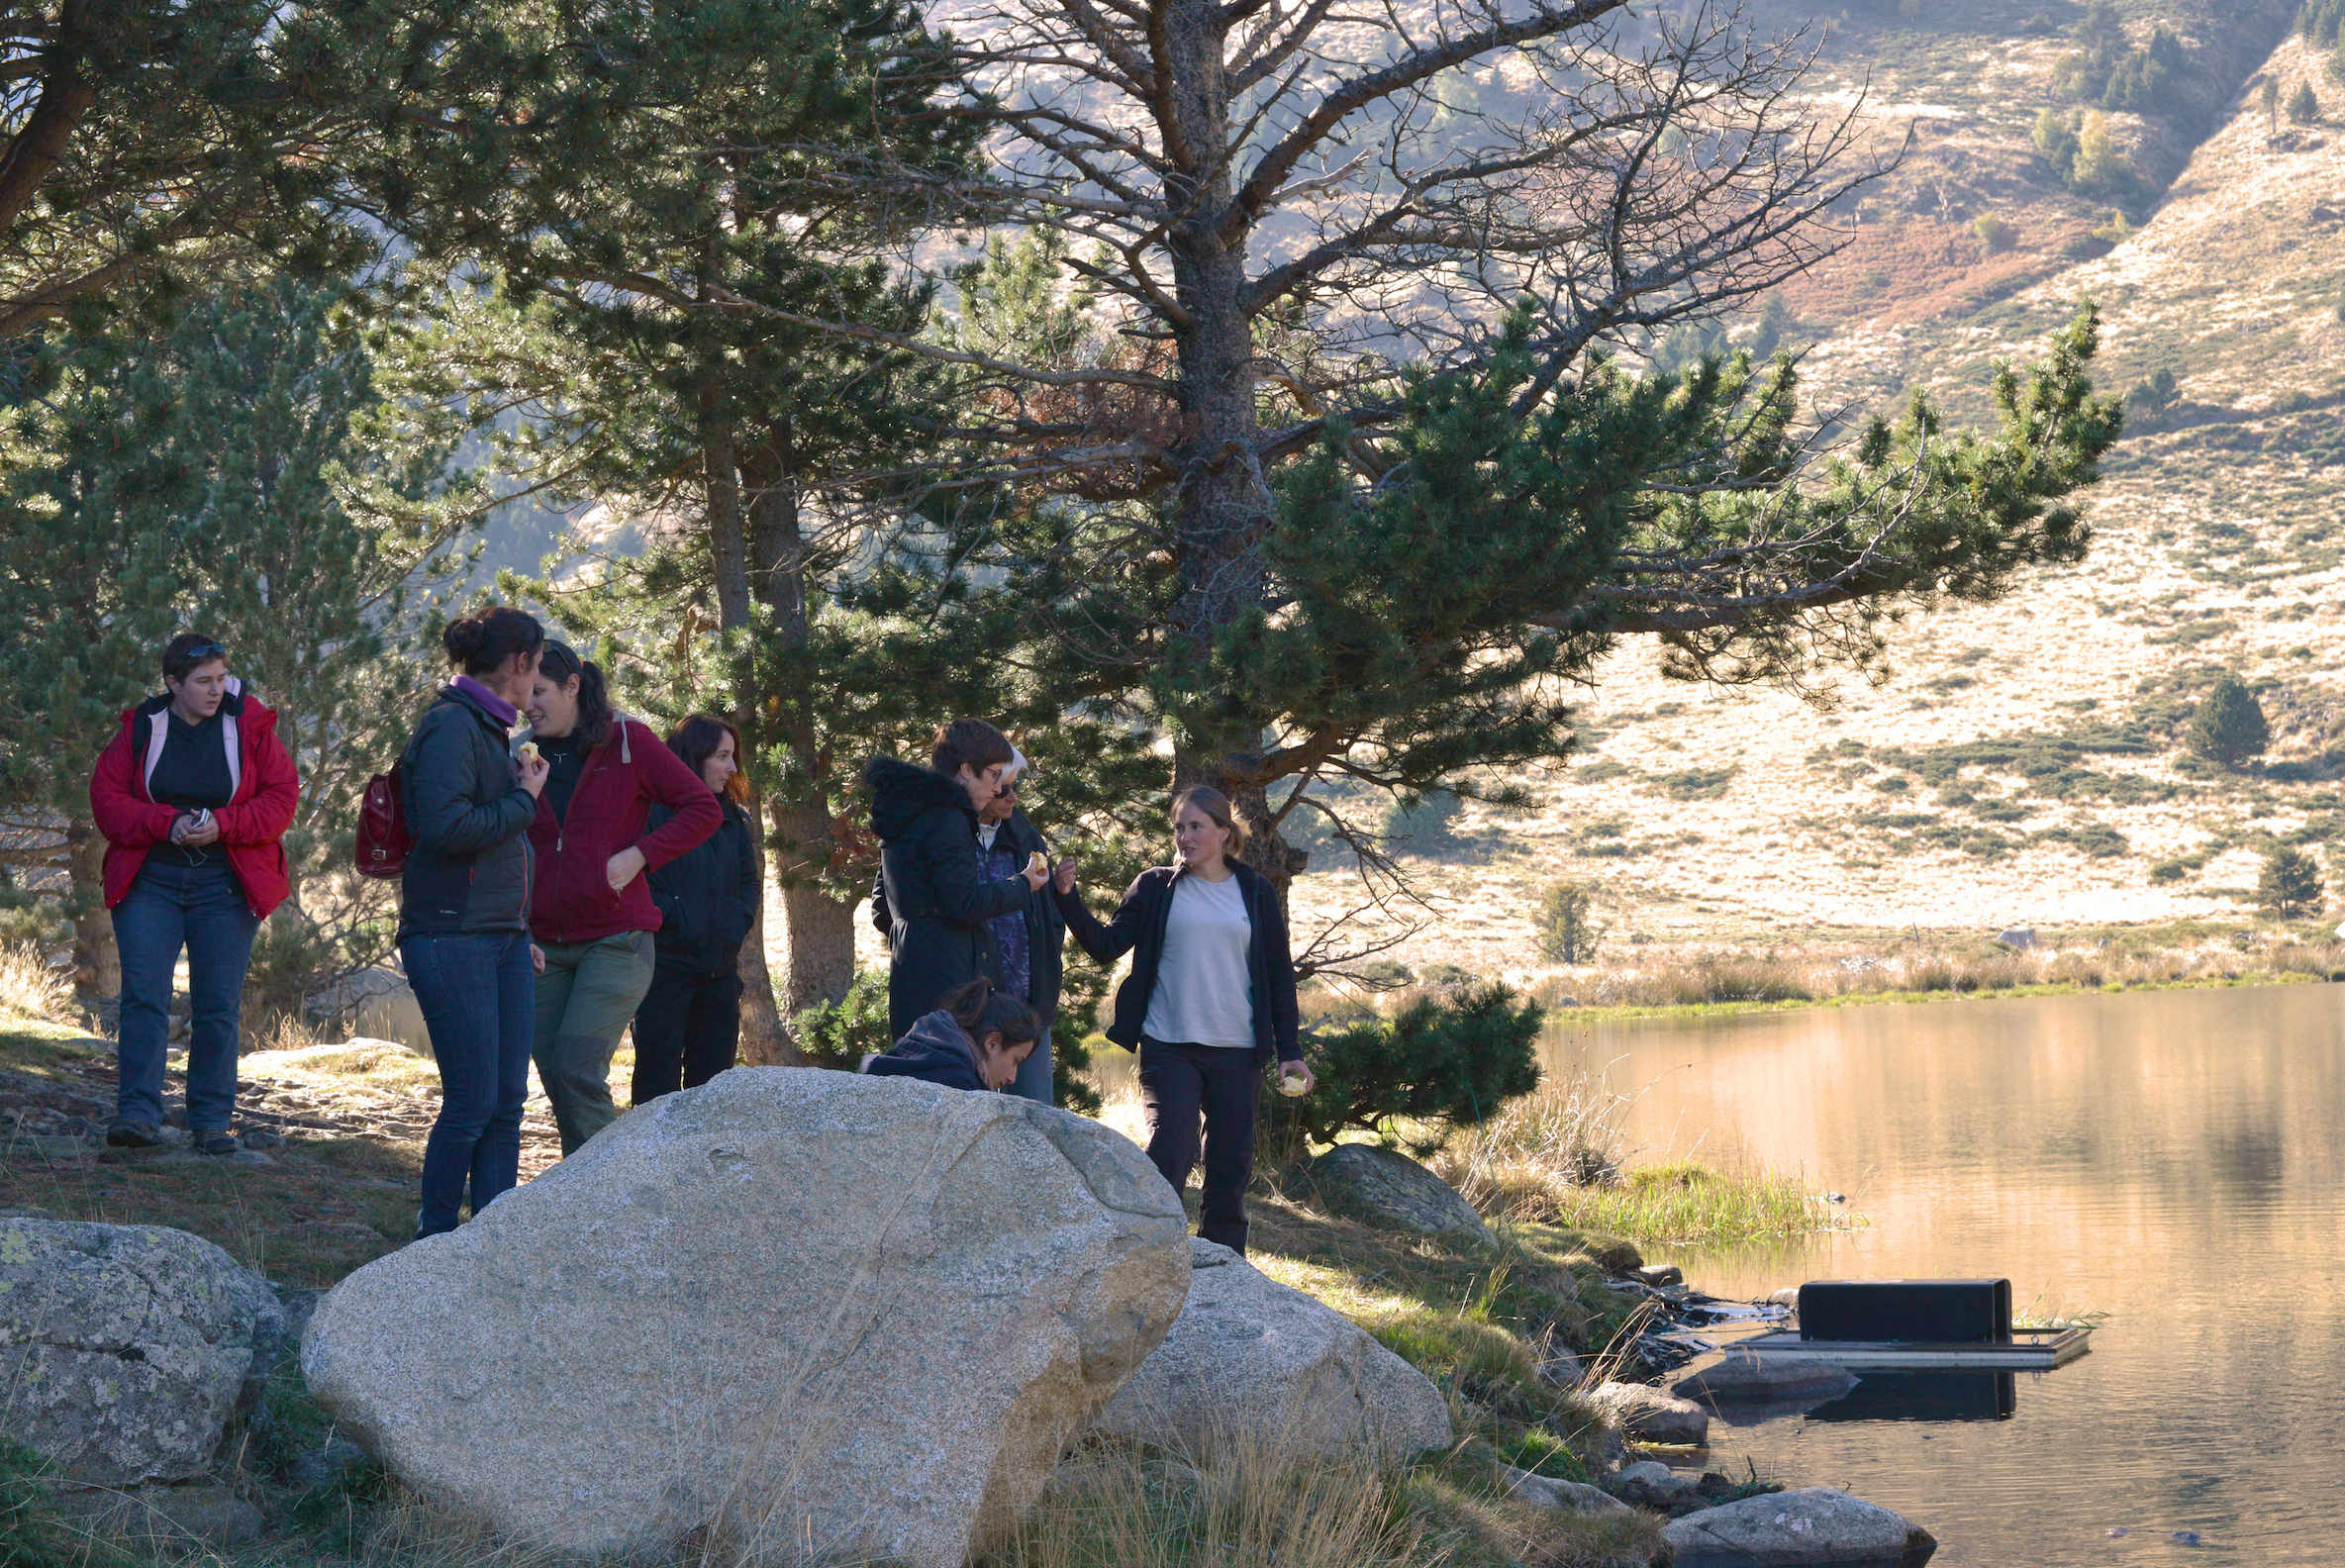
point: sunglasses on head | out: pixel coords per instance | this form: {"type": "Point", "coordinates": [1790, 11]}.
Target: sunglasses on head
{"type": "Point", "coordinates": [205, 652]}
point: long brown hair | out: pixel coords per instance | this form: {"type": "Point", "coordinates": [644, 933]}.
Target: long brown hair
{"type": "Point", "coordinates": [980, 1010]}
{"type": "Point", "coordinates": [695, 741]}
{"type": "Point", "coordinates": [557, 665]}
{"type": "Point", "coordinates": [1217, 811]}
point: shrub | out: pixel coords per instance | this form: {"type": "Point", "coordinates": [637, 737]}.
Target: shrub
{"type": "Point", "coordinates": [842, 1034]}
{"type": "Point", "coordinates": [2291, 883]}
{"type": "Point", "coordinates": [2148, 399]}
{"type": "Point", "coordinates": [1567, 933]}
{"type": "Point", "coordinates": [2228, 726]}
{"type": "Point", "coordinates": [1992, 231]}
{"type": "Point", "coordinates": [2303, 107]}
{"type": "Point", "coordinates": [2057, 143]}
{"type": "Point", "coordinates": [1441, 1062]}
{"type": "Point", "coordinates": [1697, 783]}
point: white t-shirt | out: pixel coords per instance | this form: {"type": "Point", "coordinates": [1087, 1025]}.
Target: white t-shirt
{"type": "Point", "coordinates": [1203, 994]}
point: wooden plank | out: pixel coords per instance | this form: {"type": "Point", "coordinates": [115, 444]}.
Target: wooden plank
{"type": "Point", "coordinates": [2044, 1350]}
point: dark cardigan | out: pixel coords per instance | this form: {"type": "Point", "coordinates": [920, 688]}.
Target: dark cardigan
{"type": "Point", "coordinates": [1139, 928]}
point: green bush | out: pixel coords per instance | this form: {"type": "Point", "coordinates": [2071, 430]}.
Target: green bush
{"type": "Point", "coordinates": [842, 1034]}
{"type": "Point", "coordinates": [2303, 107]}
{"type": "Point", "coordinates": [2228, 726]}
{"type": "Point", "coordinates": [1567, 932]}
{"type": "Point", "coordinates": [2289, 884]}
{"type": "Point", "coordinates": [1992, 231]}
{"type": "Point", "coordinates": [1442, 1061]}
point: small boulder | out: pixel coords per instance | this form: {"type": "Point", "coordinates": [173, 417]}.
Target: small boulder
{"type": "Point", "coordinates": [1252, 1361]}
{"type": "Point", "coordinates": [1394, 1191]}
{"type": "Point", "coordinates": [125, 1351]}
{"type": "Point", "coordinates": [1561, 1368]}
{"type": "Point", "coordinates": [861, 1315]}
{"type": "Point", "coordinates": [1743, 1378]}
{"type": "Point", "coordinates": [1571, 1496]}
{"type": "Point", "coordinates": [1660, 1275]}
{"type": "Point", "coordinates": [1803, 1528]}
{"type": "Point", "coordinates": [1650, 1414]}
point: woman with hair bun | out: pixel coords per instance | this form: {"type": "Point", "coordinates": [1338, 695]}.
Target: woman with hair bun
{"type": "Point", "coordinates": [593, 917]}
{"type": "Point", "coordinates": [976, 1038]}
{"type": "Point", "coordinates": [464, 907]}
{"type": "Point", "coordinates": [1208, 1004]}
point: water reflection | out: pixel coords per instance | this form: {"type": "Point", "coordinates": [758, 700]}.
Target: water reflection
{"type": "Point", "coordinates": [2170, 1158]}
{"type": "Point", "coordinates": [1926, 1397]}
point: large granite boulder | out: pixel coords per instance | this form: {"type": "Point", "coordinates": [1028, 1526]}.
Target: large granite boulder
{"type": "Point", "coordinates": [1252, 1362]}
{"type": "Point", "coordinates": [1394, 1191]}
{"type": "Point", "coordinates": [125, 1351]}
{"type": "Point", "coordinates": [1652, 1414]}
{"type": "Point", "coordinates": [842, 1318]}
{"type": "Point", "coordinates": [1803, 1528]}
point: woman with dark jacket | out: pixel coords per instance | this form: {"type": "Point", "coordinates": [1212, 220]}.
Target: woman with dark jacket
{"type": "Point", "coordinates": [975, 1040]}
{"type": "Point", "coordinates": [939, 897]}
{"type": "Point", "coordinates": [593, 917]}
{"type": "Point", "coordinates": [464, 909]}
{"type": "Point", "coordinates": [1208, 1004]}
{"type": "Point", "coordinates": [1029, 943]}
{"type": "Point", "coordinates": [689, 1025]}
{"type": "Point", "coordinates": [193, 795]}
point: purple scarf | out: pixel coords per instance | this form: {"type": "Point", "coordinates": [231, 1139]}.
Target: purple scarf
{"type": "Point", "coordinates": [493, 706]}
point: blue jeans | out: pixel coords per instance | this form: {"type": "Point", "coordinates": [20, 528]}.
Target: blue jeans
{"type": "Point", "coordinates": [1033, 1080]}
{"type": "Point", "coordinates": [203, 908]}
{"type": "Point", "coordinates": [478, 997]}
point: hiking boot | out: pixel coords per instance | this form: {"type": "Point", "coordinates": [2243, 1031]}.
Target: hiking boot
{"type": "Point", "coordinates": [216, 1141]}
{"type": "Point", "coordinates": [133, 1134]}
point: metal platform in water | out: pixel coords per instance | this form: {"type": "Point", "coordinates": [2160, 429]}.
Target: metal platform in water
{"type": "Point", "coordinates": [2027, 1350]}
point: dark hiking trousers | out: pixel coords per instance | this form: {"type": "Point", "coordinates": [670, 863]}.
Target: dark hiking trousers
{"type": "Point", "coordinates": [1179, 1084]}
{"type": "Point", "coordinates": [687, 1029]}
{"type": "Point", "coordinates": [478, 999]}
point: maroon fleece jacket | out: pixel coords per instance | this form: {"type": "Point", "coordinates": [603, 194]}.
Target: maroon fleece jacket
{"type": "Point", "coordinates": [617, 784]}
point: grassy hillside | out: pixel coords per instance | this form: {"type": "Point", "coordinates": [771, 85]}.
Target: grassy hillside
{"type": "Point", "coordinates": [2019, 763]}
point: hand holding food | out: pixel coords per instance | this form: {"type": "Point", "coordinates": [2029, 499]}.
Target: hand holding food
{"type": "Point", "coordinates": [1296, 1079]}
{"type": "Point", "coordinates": [530, 768]}
{"type": "Point", "coordinates": [1036, 872]}
{"type": "Point", "coordinates": [528, 752]}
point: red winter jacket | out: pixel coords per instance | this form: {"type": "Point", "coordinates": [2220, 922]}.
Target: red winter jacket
{"type": "Point", "coordinates": [250, 824]}
{"type": "Point", "coordinates": [617, 784]}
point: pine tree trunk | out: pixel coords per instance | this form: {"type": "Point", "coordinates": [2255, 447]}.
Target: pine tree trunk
{"type": "Point", "coordinates": [819, 932]}
{"type": "Point", "coordinates": [1225, 505]}
{"type": "Point", "coordinates": [765, 1035]}
{"type": "Point", "coordinates": [97, 962]}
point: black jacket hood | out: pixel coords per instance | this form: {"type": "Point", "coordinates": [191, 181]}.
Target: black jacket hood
{"type": "Point", "coordinates": [902, 795]}
{"type": "Point", "coordinates": [936, 1049]}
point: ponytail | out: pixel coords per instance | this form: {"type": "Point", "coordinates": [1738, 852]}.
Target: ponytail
{"type": "Point", "coordinates": [559, 663]}
{"type": "Point", "coordinates": [981, 1010]}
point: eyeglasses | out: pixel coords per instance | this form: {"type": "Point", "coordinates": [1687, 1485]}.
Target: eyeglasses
{"type": "Point", "coordinates": [203, 652]}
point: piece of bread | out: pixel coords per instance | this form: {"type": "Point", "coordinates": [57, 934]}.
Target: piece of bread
{"type": "Point", "coordinates": [527, 755]}
{"type": "Point", "coordinates": [1035, 863]}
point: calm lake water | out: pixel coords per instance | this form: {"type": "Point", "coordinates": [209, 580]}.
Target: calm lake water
{"type": "Point", "coordinates": [2172, 1159]}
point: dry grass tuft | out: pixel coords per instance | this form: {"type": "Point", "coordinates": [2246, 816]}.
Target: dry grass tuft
{"type": "Point", "coordinates": [30, 988]}
{"type": "Point", "coordinates": [1116, 1506]}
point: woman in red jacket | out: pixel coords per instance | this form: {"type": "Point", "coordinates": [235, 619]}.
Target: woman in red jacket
{"type": "Point", "coordinates": [193, 795]}
{"type": "Point", "coordinates": [592, 915]}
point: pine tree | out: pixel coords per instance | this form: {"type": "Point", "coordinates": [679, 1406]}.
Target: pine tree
{"type": "Point", "coordinates": [1293, 560]}
{"type": "Point", "coordinates": [2303, 105]}
{"type": "Point", "coordinates": [243, 473]}
{"type": "Point", "coordinates": [2289, 884]}
{"type": "Point", "coordinates": [666, 344]}
{"type": "Point", "coordinates": [2228, 724]}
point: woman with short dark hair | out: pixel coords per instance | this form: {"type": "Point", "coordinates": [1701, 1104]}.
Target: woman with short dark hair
{"type": "Point", "coordinates": [194, 795]}
{"type": "Point", "coordinates": [687, 1027]}
{"type": "Point", "coordinates": [594, 917]}
{"type": "Point", "coordinates": [939, 898]}
{"type": "Point", "coordinates": [1208, 1004]}
{"type": "Point", "coordinates": [464, 907]}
